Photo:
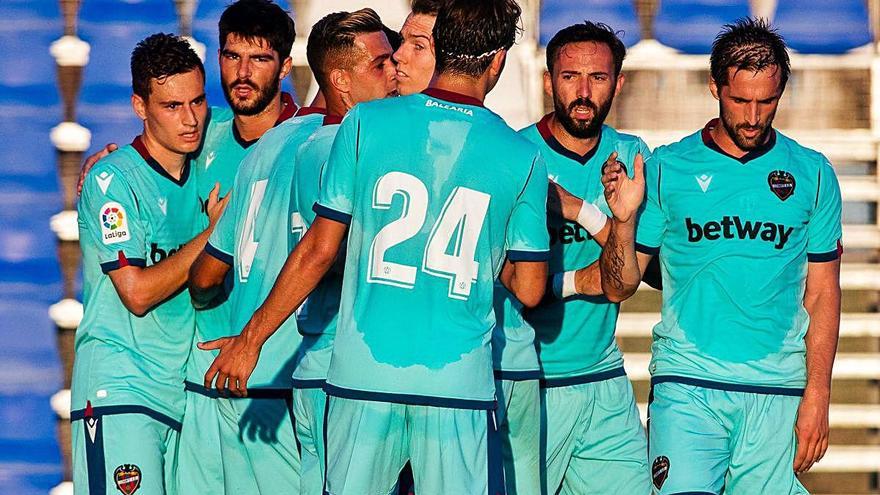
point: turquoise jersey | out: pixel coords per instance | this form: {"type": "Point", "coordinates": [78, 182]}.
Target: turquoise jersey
{"type": "Point", "coordinates": [217, 161]}
{"type": "Point", "coordinates": [437, 190]}
{"type": "Point", "coordinates": [576, 335]}
{"type": "Point", "coordinates": [735, 237]}
{"type": "Point", "coordinates": [317, 316]}
{"type": "Point", "coordinates": [251, 236]}
{"type": "Point", "coordinates": [132, 213]}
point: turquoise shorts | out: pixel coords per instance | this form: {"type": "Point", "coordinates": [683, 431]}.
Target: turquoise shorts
{"type": "Point", "coordinates": [595, 441]}
{"type": "Point", "coordinates": [519, 420]}
{"type": "Point", "coordinates": [709, 441]}
{"type": "Point", "coordinates": [309, 405]}
{"type": "Point", "coordinates": [197, 472]}
{"type": "Point", "coordinates": [123, 449]}
{"type": "Point", "coordinates": [452, 451]}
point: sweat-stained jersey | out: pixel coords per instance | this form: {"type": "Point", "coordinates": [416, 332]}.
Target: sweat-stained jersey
{"type": "Point", "coordinates": [252, 237]}
{"type": "Point", "coordinates": [576, 335]}
{"type": "Point", "coordinates": [316, 318]}
{"type": "Point", "coordinates": [437, 190]}
{"type": "Point", "coordinates": [133, 213]}
{"type": "Point", "coordinates": [735, 237]}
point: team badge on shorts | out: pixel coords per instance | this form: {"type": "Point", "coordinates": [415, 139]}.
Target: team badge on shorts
{"type": "Point", "coordinates": [781, 184]}
{"type": "Point", "coordinates": [127, 478]}
{"type": "Point", "coordinates": [660, 471]}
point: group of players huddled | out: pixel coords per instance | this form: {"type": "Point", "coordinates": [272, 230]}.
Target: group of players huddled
{"type": "Point", "coordinates": [284, 300]}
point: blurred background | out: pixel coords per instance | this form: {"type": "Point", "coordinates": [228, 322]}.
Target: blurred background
{"type": "Point", "coordinates": [64, 93]}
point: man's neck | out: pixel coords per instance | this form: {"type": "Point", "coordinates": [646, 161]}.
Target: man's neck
{"type": "Point", "coordinates": [171, 161]}
{"type": "Point", "coordinates": [251, 127]}
{"type": "Point", "coordinates": [581, 146]}
{"type": "Point", "coordinates": [725, 141]}
{"type": "Point", "coordinates": [468, 86]}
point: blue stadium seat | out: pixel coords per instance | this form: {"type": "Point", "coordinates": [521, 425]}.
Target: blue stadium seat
{"type": "Point", "coordinates": [619, 14]}
{"type": "Point", "coordinates": [27, 28]}
{"type": "Point", "coordinates": [113, 28]}
{"type": "Point", "coordinates": [105, 110]}
{"type": "Point", "coordinates": [27, 115]}
{"type": "Point", "coordinates": [691, 25]}
{"type": "Point", "coordinates": [820, 26]}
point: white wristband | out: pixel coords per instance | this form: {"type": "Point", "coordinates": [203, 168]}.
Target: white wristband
{"type": "Point", "coordinates": [591, 218]}
{"type": "Point", "coordinates": [563, 285]}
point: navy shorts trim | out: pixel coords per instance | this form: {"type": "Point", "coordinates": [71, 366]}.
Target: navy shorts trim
{"type": "Point", "coordinates": [581, 379]}
{"type": "Point", "coordinates": [410, 399]}
{"type": "Point", "coordinates": [252, 393]}
{"type": "Point", "coordinates": [518, 376]}
{"type": "Point", "coordinates": [514, 255]}
{"type": "Point", "coordinates": [653, 251]}
{"type": "Point", "coordinates": [335, 215]}
{"type": "Point", "coordinates": [694, 493]}
{"type": "Point", "coordinates": [823, 257]}
{"type": "Point", "coordinates": [494, 457]}
{"type": "Point", "coordinates": [308, 384]}
{"type": "Point", "coordinates": [220, 255]}
{"type": "Point", "coordinates": [127, 409]}
{"type": "Point", "coordinates": [729, 387]}
{"type": "Point", "coordinates": [95, 464]}
{"type": "Point", "coordinates": [116, 264]}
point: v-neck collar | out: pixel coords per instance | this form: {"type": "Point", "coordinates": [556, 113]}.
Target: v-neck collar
{"type": "Point", "coordinates": [543, 126]}
{"type": "Point", "coordinates": [706, 135]}
{"type": "Point", "coordinates": [141, 148]}
{"type": "Point", "coordinates": [288, 110]}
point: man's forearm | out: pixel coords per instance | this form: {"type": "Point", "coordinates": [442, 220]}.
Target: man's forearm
{"type": "Point", "coordinates": [821, 339]}
{"type": "Point", "coordinates": [618, 265]}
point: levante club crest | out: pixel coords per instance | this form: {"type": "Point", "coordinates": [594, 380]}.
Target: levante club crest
{"type": "Point", "coordinates": [127, 478]}
{"type": "Point", "coordinates": [781, 184]}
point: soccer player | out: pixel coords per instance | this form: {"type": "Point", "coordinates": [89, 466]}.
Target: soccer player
{"type": "Point", "coordinates": [437, 190]}
{"type": "Point", "coordinates": [139, 235]}
{"type": "Point", "coordinates": [415, 56]}
{"type": "Point", "coordinates": [350, 56]}
{"type": "Point", "coordinates": [595, 442]}
{"type": "Point", "coordinates": [748, 223]}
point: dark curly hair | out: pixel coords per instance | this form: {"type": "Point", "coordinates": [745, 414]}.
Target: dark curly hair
{"type": "Point", "coordinates": [159, 56]}
{"type": "Point", "coordinates": [259, 19]}
{"type": "Point", "coordinates": [426, 7]}
{"type": "Point", "coordinates": [468, 33]}
{"type": "Point", "coordinates": [332, 39]}
{"type": "Point", "coordinates": [748, 44]}
{"type": "Point", "coordinates": [587, 31]}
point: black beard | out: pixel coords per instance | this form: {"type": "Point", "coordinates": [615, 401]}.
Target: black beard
{"type": "Point", "coordinates": [738, 141]}
{"type": "Point", "coordinates": [264, 97]}
{"type": "Point", "coordinates": [577, 128]}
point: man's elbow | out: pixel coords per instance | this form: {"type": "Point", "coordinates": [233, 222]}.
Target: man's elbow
{"type": "Point", "coordinates": [618, 295]}
{"type": "Point", "coordinates": [135, 303]}
{"type": "Point", "coordinates": [531, 296]}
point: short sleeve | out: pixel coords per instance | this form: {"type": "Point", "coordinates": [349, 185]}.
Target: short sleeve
{"type": "Point", "coordinates": [221, 243]}
{"type": "Point", "coordinates": [110, 220]}
{"type": "Point", "coordinates": [527, 238]}
{"type": "Point", "coordinates": [338, 179]}
{"type": "Point", "coordinates": [651, 224]}
{"type": "Point", "coordinates": [824, 228]}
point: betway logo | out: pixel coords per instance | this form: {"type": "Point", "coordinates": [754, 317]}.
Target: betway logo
{"type": "Point", "coordinates": [446, 106]}
{"type": "Point", "coordinates": [158, 254]}
{"type": "Point", "coordinates": [568, 233]}
{"type": "Point", "coordinates": [734, 227]}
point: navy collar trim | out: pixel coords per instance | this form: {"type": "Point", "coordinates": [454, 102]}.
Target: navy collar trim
{"type": "Point", "coordinates": [141, 148]}
{"type": "Point", "coordinates": [453, 97]}
{"type": "Point", "coordinates": [706, 135]}
{"type": "Point", "coordinates": [543, 126]}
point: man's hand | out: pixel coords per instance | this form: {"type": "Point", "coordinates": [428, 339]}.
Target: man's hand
{"type": "Point", "coordinates": [563, 203]}
{"type": "Point", "coordinates": [234, 365]}
{"type": "Point", "coordinates": [811, 430]}
{"type": "Point", "coordinates": [90, 162]}
{"type": "Point", "coordinates": [216, 205]}
{"type": "Point", "coordinates": [623, 195]}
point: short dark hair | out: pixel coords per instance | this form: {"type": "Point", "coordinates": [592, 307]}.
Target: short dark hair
{"type": "Point", "coordinates": [748, 44]}
{"type": "Point", "coordinates": [587, 31]}
{"type": "Point", "coordinates": [332, 38]}
{"type": "Point", "coordinates": [253, 19]}
{"type": "Point", "coordinates": [426, 7]}
{"type": "Point", "coordinates": [394, 38]}
{"type": "Point", "coordinates": [468, 33]}
{"type": "Point", "coordinates": [159, 56]}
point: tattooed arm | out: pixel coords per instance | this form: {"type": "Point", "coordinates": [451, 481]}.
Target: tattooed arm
{"type": "Point", "coordinates": [618, 265]}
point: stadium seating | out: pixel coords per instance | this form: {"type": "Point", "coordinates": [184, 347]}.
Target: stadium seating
{"type": "Point", "coordinates": [26, 29]}
{"type": "Point", "coordinates": [205, 31]}
{"type": "Point", "coordinates": [690, 26]}
{"type": "Point", "coordinates": [620, 15]}
{"type": "Point", "coordinates": [819, 26]}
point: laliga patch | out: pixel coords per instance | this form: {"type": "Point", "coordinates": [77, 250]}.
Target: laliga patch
{"type": "Point", "coordinates": [114, 223]}
{"type": "Point", "coordinates": [660, 471]}
{"type": "Point", "coordinates": [781, 184]}
{"type": "Point", "coordinates": [127, 478]}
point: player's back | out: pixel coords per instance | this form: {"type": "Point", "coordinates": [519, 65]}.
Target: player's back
{"type": "Point", "coordinates": [441, 190]}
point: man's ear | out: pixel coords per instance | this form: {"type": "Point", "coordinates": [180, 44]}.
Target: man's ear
{"type": "Point", "coordinates": [139, 106]}
{"type": "Point", "coordinates": [548, 84]}
{"type": "Point", "coordinates": [286, 67]}
{"type": "Point", "coordinates": [621, 79]}
{"type": "Point", "coordinates": [340, 79]}
{"type": "Point", "coordinates": [714, 89]}
{"type": "Point", "coordinates": [498, 61]}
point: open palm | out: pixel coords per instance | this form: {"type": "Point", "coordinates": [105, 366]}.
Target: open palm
{"type": "Point", "coordinates": [624, 195]}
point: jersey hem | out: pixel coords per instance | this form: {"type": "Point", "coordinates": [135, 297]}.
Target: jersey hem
{"type": "Point", "coordinates": [581, 379]}
{"type": "Point", "coordinates": [729, 387]}
{"type": "Point", "coordinates": [126, 409]}
{"type": "Point", "coordinates": [517, 376]}
{"type": "Point", "coordinates": [252, 393]}
{"type": "Point", "coordinates": [308, 383]}
{"type": "Point", "coordinates": [409, 399]}
{"type": "Point", "coordinates": [220, 255]}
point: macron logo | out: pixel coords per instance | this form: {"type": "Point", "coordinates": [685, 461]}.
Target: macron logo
{"type": "Point", "coordinates": [210, 159]}
{"type": "Point", "coordinates": [446, 106]}
{"type": "Point", "coordinates": [104, 181]}
{"type": "Point", "coordinates": [704, 181]}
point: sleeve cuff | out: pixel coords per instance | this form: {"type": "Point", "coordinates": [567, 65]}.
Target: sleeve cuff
{"type": "Point", "coordinates": [514, 255]}
{"type": "Point", "coordinates": [653, 251]}
{"type": "Point", "coordinates": [220, 255]}
{"type": "Point", "coordinates": [122, 261]}
{"type": "Point", "coordinates": [335, 215]}
{"type": "Point", "coordinates": [823, 257]}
